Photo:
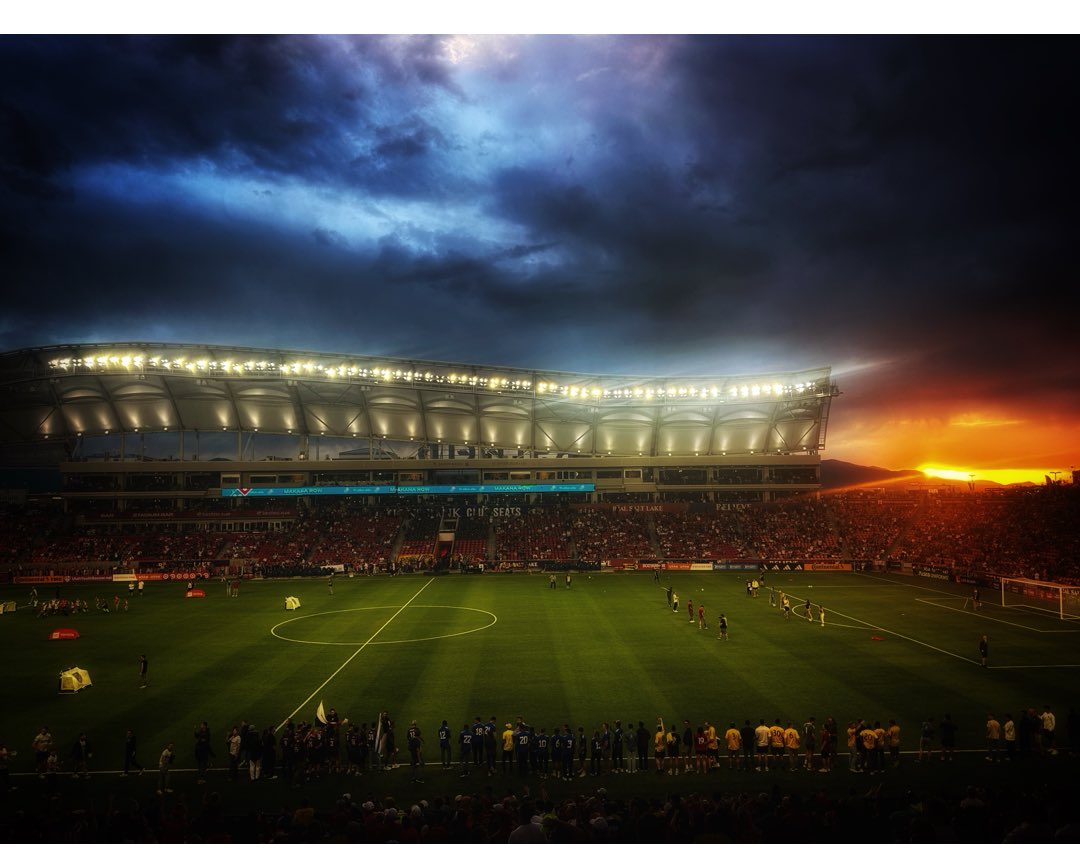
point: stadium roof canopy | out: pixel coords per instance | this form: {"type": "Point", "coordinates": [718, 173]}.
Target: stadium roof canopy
{"type": "Point", "coordinates": [70, 390]}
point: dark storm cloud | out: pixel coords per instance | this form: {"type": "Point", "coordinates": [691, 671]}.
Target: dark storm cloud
{"type": "Point", "coordinates": [278, 105]}
{"type": "Point", "coordinates": [688, 203]}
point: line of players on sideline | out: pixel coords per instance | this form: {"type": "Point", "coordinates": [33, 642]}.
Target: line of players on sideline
{"type": "Point", "coordinates": [306, 751]}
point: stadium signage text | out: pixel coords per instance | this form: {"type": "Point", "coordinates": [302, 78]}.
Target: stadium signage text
{"type": "Point", "coordinates": [483, 510]}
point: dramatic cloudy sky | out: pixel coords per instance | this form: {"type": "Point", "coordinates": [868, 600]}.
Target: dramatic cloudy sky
{"type": "Point", "coordinates": [902, 209]}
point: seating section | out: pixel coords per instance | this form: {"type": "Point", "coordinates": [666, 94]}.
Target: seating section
{"type": "Point", "coordinates": [540, 534]}
{"type": "Point", "coordinates": [1014, 532]}
{"type": "Point", "coordinates": [708, 536]}
{"type": "Point", "coordinates": [603, 535]}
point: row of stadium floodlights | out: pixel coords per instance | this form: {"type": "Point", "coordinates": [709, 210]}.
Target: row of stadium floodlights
{"type": "Point", "coordinates": [386, 374]}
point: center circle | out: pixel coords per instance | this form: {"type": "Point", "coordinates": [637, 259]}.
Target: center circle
{"type": "Point", "coordinates": [454, 620]}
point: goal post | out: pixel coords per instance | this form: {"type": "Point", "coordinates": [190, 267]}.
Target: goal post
{"type": "Point", "coordinates": [1050, 598]}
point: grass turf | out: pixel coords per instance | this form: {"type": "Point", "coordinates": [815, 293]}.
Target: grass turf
{"type": "Point", "coordinates": [454, 647]}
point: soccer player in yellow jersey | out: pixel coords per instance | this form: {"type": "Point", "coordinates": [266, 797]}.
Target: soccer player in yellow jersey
{"type": "Point", "coordinates": [880, 737]}
{"type": "Point", "coordinates": [868, 741]}
{"type": "Point", "coordinates": [776, 743]}
{"type": "Point", "coordinates": [894, 742]}
{"type": "Point", "coordinates": [714, 745]}
{"type": "Point", "coordinates": [993, 738]}
{"type": "Point", "coordinates": [659, 746]}
{"type": "Point", "coordinates": [791, 743]}
{"type": "Point", "coordinates": [733, 737]}
{"type": "Point", "coordinates": [853, 751]}
{"type": "Point", "coordinates": [761, 743]}
{"type": "Point", "coordinates": [508, 749]}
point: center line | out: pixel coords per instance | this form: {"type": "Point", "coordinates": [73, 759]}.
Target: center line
{"type": "Point", "coordinates": [315, 692]}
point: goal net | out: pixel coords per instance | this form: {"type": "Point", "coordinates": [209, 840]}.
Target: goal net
{"type": "Point", "coordinates": [1050, 598]}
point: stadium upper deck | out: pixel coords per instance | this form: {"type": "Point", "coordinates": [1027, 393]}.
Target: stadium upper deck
{"type": "Point", "coordinates": [401, 408]}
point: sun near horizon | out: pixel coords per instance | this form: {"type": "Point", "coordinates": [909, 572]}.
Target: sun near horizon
{"type": "Point", "coordinates": [1003, 476]}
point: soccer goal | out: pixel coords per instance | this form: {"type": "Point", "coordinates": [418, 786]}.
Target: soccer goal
{"type": "Point", "coordinates": [1049, 598]}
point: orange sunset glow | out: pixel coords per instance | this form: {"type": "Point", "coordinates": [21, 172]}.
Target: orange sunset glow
{"type": "Point", "coordinates": [995, 447]}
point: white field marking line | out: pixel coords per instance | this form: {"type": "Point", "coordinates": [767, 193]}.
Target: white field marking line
{"type": "Point", "coordinates": [354, 654]}
{"type": "Point", "coordinates": [1050, 666]}
{"type": "Point", "coordinates": [848, 626]}
{"type": "Point", "coordinates": [844, 587]}
{"type": "Point", "coordinates": [952, 594]}
{"type": "Point", "coordinates": [494, 620]}
{"type": "Point", "coordinates": [894, 633]}
{"type": "Point", "coordinates": [135, 774]}
{"type": "Point", "coordinates": [929, 602]}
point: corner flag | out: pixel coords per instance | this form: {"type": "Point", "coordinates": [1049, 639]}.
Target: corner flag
{"type": "Point", "coordinates": [320, 715]}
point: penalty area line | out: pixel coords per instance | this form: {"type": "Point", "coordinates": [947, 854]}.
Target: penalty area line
{"type": "Point", "coordinates": [870, 626]}
{"type": "Point", "coordinates": [353, 656]}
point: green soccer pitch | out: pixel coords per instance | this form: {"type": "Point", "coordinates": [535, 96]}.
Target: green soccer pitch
{"type": "Point", "coordinates": [453, 647]}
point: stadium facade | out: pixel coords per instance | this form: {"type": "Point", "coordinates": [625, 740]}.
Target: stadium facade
{"type": "Point", "coordinates": [221, 419]}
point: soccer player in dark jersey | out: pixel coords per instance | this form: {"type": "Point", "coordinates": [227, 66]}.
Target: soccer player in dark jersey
{"type": "Point", "coordinates": [583, 751]}
{"type": "Point", "coordinates": [288, 753]}
{"type": "Point", "coordinates": [491, 745]}
{"type": "Point", "coordinates": [352, 748]}
{"type": "Point", "coordinates": [416, 752]}
{"type": "Point", "coordinates": [948, 729]}
{"type": "Point", "coordinates": [478, 741]}
{"type": "Point", "coordinates": [465, 737]}
{"type": "Point", "coordinates": [746, 733]}
{"type": "Point", "coordinates": [618, 764]}
{"type": "Point", "coordinates": [687, 747]}
{"type": "Point", "coordinates": [641, 742]}
{"type": "Point", "coordinates": [367, 746]}
{"type": "Point", "coordinates": [543, 751]}
{"type": "Point", "coordinates": [568, 752]}
{"type": "Point", "coordinates": [444, 745]}
{"type": "Point", "coordinates": [332, 749]}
